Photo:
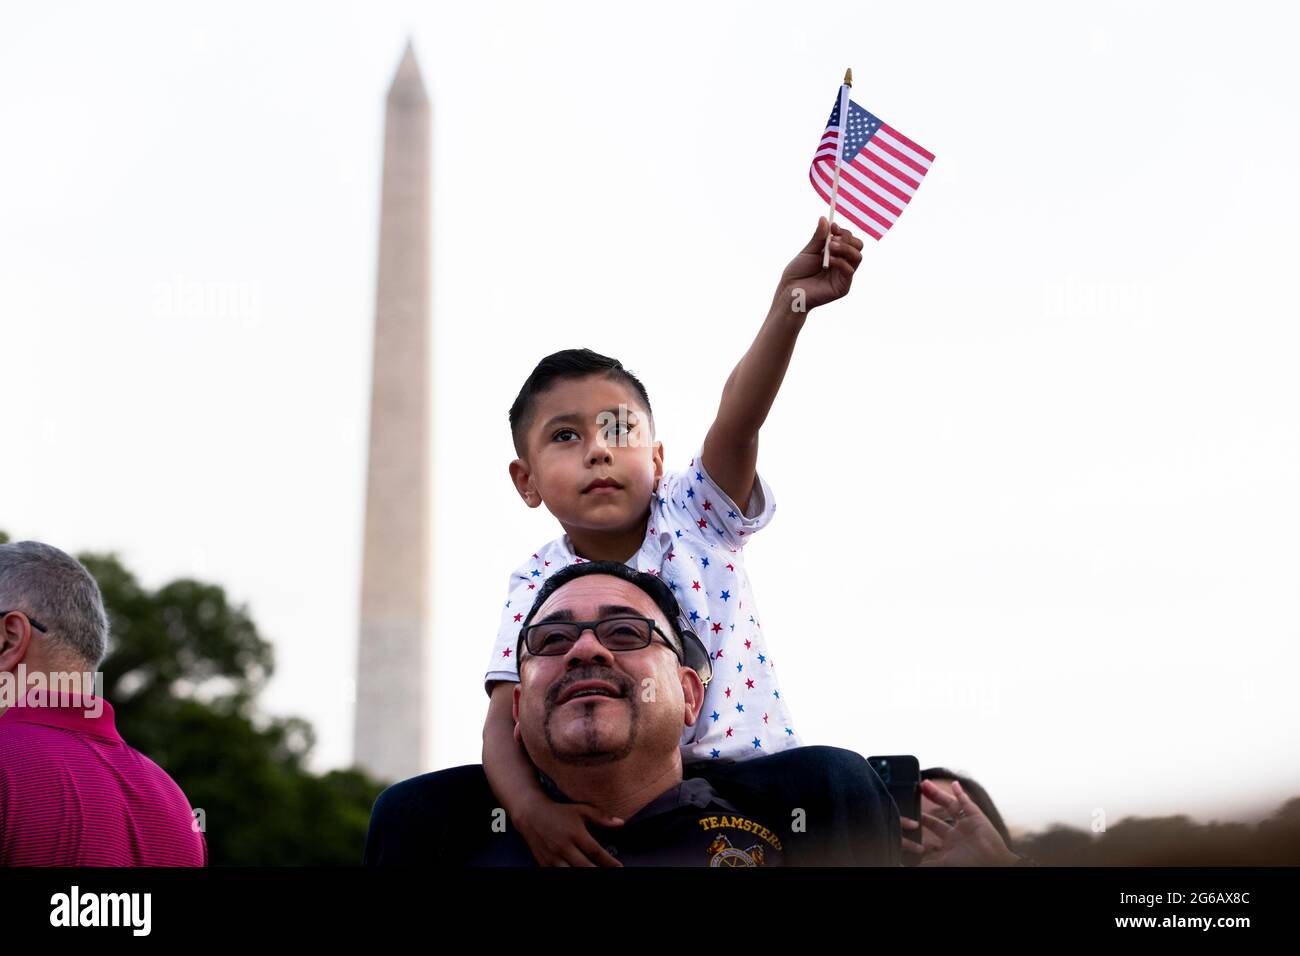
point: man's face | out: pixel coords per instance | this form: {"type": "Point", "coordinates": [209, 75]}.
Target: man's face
{"type": "Point", "coordinates": [578, 436]}
{"type": "Point", "coordinates": [592, 705]}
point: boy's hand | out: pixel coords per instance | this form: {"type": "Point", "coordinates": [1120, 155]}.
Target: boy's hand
{"type": "Point", "coordinates": [805, 270]}
{"type": "Point", "coordinates": [558, 836]}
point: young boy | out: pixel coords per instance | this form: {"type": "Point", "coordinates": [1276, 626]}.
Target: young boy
{"type": "Point", "coordinates": [584, 433]}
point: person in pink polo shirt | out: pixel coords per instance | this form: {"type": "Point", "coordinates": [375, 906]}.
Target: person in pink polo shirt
{"type": "Point", "coordinates": [72, 792]}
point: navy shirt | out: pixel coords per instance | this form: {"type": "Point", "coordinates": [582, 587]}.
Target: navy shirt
{"type": "Point", "coordinates": [686, 825]}
{"type": "Point", "coordinates": [807, 806]}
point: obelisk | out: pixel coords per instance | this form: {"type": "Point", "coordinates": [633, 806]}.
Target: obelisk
{"type": "Point", "coordinates": [392, 678]}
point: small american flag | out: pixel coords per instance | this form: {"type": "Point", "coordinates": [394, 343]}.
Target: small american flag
{"type": "Point", "coordinates": [879, 173]}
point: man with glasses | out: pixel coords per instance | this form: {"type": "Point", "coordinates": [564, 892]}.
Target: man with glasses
{"type": "Point", "coordinates": [72, 793]}
{"type": "Point", "coordinates": [609, 676]}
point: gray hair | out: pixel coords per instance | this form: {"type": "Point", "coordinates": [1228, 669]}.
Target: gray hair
{"type": "Point", "coordinates": [56, 589]}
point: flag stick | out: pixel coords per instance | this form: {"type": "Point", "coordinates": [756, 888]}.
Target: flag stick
{"type": "Point", "coordinates": [839, 155]}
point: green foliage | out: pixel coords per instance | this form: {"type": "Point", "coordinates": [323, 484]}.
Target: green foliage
{"type": "Point", "coordinates": [183, 674]}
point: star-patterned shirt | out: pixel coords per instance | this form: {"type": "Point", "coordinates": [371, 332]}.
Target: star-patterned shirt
{"type": "Point", "coordinates": [694, 541]}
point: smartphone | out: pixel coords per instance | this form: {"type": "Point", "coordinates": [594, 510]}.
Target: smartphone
{"type": "Point", "coordinates": [901, 776]}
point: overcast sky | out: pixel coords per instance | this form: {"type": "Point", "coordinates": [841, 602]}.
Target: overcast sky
{"type": "Point", "coordinates": [1047, 450]}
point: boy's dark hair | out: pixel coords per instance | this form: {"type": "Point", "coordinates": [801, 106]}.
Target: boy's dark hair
{"type": "Point", "coordinates": [568, 363]}
{"type": "Point", "coordinates": [977, 793]}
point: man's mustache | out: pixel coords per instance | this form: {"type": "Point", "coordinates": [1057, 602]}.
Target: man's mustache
{"type": "Point", "coordinates": [622, 682]}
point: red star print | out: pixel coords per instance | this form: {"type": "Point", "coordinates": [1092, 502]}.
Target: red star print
{"type": "Point", "coordinates": [740, 532]}
{"type": "Point", "coordinates": [506, 652]}
{"type": "Point", "coordinates": [537, 556]}
{"type": "Point", "coordinates": [750, 684]}
{"type": "Point", "coordinates": [728, 731]}
{"type": "Point", "coordinates": [707, 504]}
{"type": "Point", "coordinates": [652, 531]}
{"type": "Point", "coordinates": [746, 643]}
{"type": "Point", "coordinates": [728, 692]}
{"type": "Point", "coordinates": [702, 523]}
{"type": "Point", "coordinates": [518, 618]}
{"type": "Point", "coordinates": [716, 627]}
{"type": "Point", "coordinates": [718, 655]}
{"type": "Point", "coordinates": [695, 586]}
{"type": "Point", "coordinates": [765, 718]}
{"type": "Point", "coordinates": [731, 567]}
{"type": "Point", "coordinates": [669, 556]}
{"type": "Point", "coordinates": [532, 587]}
{"type": "Point", "coordinates": [546, 564]}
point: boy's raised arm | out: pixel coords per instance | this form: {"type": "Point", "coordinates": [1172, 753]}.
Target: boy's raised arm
{"type": "Point", "coordinates": [731, 445]}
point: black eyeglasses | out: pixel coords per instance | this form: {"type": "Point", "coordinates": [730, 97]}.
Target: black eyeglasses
{"type": "Point", "coordinates": [622, 633]}
{"type": "Point", "coordinates": [30, 620]}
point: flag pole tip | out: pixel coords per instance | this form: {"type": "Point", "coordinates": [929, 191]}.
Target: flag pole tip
{"type": "Point", "coordinates": [848, 77]}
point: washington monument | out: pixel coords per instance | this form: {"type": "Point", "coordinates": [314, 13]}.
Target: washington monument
{"type": "Point", "coordinates": [392, 676]}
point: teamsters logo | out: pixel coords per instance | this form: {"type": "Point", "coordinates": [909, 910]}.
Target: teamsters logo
{"type": "Point", "coordinates": [723, 853]}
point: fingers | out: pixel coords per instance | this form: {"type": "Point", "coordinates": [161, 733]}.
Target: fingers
{"type": "Point", "coordinates": [581, 853]}
{"type": "Point", "coordinates": [597, 854]}
{"type": "Point", "coordinates": [928, 841]}
{"type": "Point", "coordinates": [967, 804]}
{"type": "Point", "coordinates": [933, 823]}
{"type": "Point", "coordinates": [841, 239]}
{"type": "Point", "coordinates": [846, 251]}
{"type": "Point", "coordinates": [958, 803]}
{"type": "Point", "coordinates": [597, 817]}
{"type": "Point", "coordinates": [940, 796]}
{"type": "Point", "coordinates": [840, 233]}
{"type": "Point", "coordinates": [846, 254]}
{"type": "Point", "coordinates": [844, 268]}
{"type": "Point", "coordinates": [588, 844]}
